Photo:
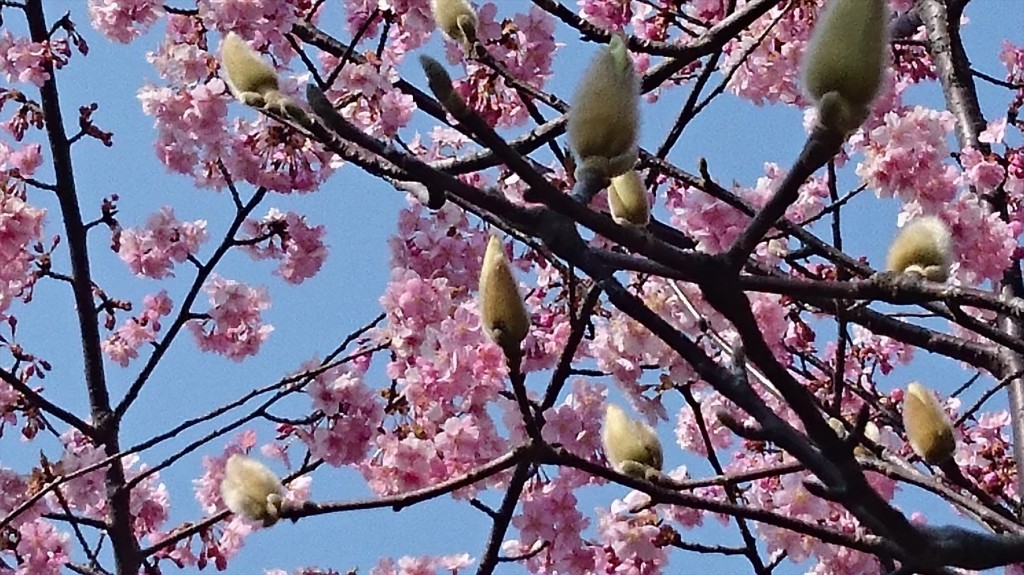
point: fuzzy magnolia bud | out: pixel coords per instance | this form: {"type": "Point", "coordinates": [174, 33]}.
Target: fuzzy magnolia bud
{"type": "Point", "coordinates": [252, 80]}
{"type": "Point", "coordinates": [502, 313]}
{"type": "Point", "coordinates": [923, 247]}
{"type": "Point", "coordinates": [604, 121]}
{"type": "Point", "coordinates": [627, 200]}
{"type": "Point", "coordinates": [251, 489]}
{"type": "Point", "coordinates": [456, 19]}
{"type": "Point", "coordinates": [844, 61]}
{"type": "Point", "coordinates": [629, 444]}
{"type": "Point", "coordinates": [929, 430]}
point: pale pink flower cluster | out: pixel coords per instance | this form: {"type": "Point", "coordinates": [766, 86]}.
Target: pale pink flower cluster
{"type": "Point", "coordinates": [287, 237]}
{"type": "Point", "coordinates": [86, 494]}
{"type": "Point", "coordinates": [631, 543]}
{"type": "Point", "coordinates": [525, 45]}
{"type": "Point", "coordinates": [265, 23]}
{"type": "Point", "coordinates": [576, 423]}
{"type": "Point", "coordinates": [265, 156]}
{"type": "Point", "coordinates": [123, 20]}
{"type": "Point", "coordinates": [771, 72]}
{"type": "Point", "coordinates": [881, 350]}
{"type": "Point", "coordinates": [550, 516]}
{"type": "Point", "coordinates": [373, 102]}
{"type": "Point", "coordinates": [550, 325]}
{"type": "Point", "coordinates": [234, 324]}
{"type": "Point", "coordinates": [622, 347]}
{"type": "Point", "coordinates": [21, 162]}
{"type": "Point", "coordinates": [41, 549]}
{"type": "Point", "coordinates": [648, 24]}
{"type": "Point", "coordinates": [438, 243]}
{"type": "Point", "coordinates": [787, 496]}
{"type": "Point", "coordinates": [687, 431]}
{"type": "Point", "coordinates": [906, 157]}
{"type": "Point", "coordinates": [608, 14]}
{"type": "Point", "coordinates": [123, 345]}
{"type": "Point", "coordinates": [715, 225]}
{"type": "Point", "coordinates": [352, 414]}
{"type": "Point", "coordinates": [152, 250]}
{"type": "Point", "coordinates": [1015, 178]}
{"type": "Point", "coordinates": [985, 173]}
{"type": "Point", "coordinates": [424, 565]}
{"type": "Point", "coordinates": [1012, 56]}
{"type": "Point", "coordinates": [179, 59]}
{"type": "Point", "coordinates": [446, 369]}
{"type": "Point", "coordinates": [191, 126]}
{"type": "Point", "coordinates": [413, 24]}
{"type": "Point", "coordinates": [985, 454]}
{"type": "Point", "coordinates": [13, 489]}
{"type": "Point", "coordinates": [985, 242]}
{"type": "Point", "coordinates": [710, 11]}
{"type": "Point", "coordinates": [21, 224]}
{"type": "Point", "coordinates": [24, 61]}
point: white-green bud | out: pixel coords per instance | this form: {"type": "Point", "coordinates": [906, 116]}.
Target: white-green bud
{"type": "Point", "coordinates": [604, 121]}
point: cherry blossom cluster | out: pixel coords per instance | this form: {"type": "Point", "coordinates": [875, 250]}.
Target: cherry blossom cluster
{"type": "Point", "coordinates": [152, 251]}
{"type": "Point", "coordinates": [233, 326]}
{"type": "Point", "coordinates": [407, 565]}
{"type": "Point", "coordinates": [351, 415]}
{"type": "Point", "coordinates": [122, 346]}
{"type": "Point", "coordinates": [21, 225]}
{"type": "Point", "coordinates": [524, 45]}
{"type": "Point", "coordinates": [25, 61]}
{"type": "Point", "coordinates": [374, 103]}
{"type": "Point", "coordinates": [287, 237]}
{"type": "Point", "coordinates": [123, 20]}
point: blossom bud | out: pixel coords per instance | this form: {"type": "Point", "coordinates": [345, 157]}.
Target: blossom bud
{"type": "Point", "coordinates": [251, 489]}
{"type": "Point", "coordinates": [627, 200]}
{"type": "Point", "coordinates": [456, 19]}
{"type": "Point", "coordinates": [923, 247]}
{"type": "Point", "coordinates": [253, 81]}
{"type": "Point", "coordinates": [629, 442]}
{"type": "Point", "coordinates": [604, 121]}
{"type": "Point", "coordinates": [929, 430]}
{"type": "Point", "coordinates": [502, 313]}
{"type": "Point", "coordinates": [871, 433]}
{"type": "Point", "coordinates": [846, 58]}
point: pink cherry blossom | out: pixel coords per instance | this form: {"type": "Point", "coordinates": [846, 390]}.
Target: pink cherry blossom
{"type": "Point", "coordinates": [287, 237]}
{"type": "Point", "coordinates": [233, 326]}
{"type": "Point", "coordinates": [122, 346]}
{"type": "Point", "coordinates": [151, 251]}
{"type": "Point", "coordinates": [123, 20]}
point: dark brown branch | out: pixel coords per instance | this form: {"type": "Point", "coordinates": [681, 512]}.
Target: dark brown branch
{"type": "Point", "coordinates": [126, 547]}
{"type": "Point", "coordinates": [36, 399]}
{"type": "Point", "coordinates": [504, 518]}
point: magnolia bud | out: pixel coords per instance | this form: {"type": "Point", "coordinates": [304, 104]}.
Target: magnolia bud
{"type": "Point", "coordinates": [923, 247]}
{"type": "Point", "coordinates": [604, 121]}
{"type": "Point", "coordinates": [502, 313]}
{"type": "Point", "coordinates": [456, 19]}
{"type": "Point", "coordinates": [627, 200]}
{"type": "Point", "coordinates": [629, 442]}
{"type": "Point", "coordinates": [928, 428]}
{"type": "Point", "coordinates": [253, 81]}
{"type": "Point", "coordinates": [846, 58]}
{"type": "Point", "coordinates": [838, 427]}
{"type": "Point", "coordinates": [251, 490]}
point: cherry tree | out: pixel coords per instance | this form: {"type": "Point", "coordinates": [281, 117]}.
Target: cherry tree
{"type": "Point", "coordinates": [728, 320]}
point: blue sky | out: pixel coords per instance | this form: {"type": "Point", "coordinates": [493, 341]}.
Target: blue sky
{"type": "Point", "coordinates": [360, 214]}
